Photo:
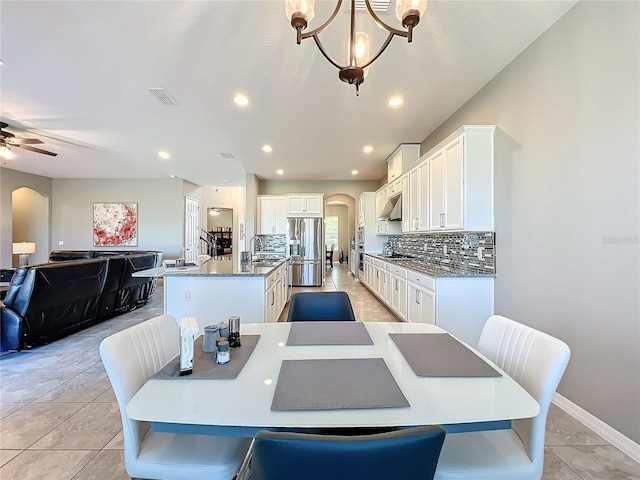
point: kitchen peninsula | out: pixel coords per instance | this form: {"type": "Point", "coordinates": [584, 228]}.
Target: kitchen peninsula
{"type": "Point", "coordinates": [219, 288]}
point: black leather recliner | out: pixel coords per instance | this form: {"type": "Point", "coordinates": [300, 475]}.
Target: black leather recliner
{"type": "Point", "coordinates": [49, 301]}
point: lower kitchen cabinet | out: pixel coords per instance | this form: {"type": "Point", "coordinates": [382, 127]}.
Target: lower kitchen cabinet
{"type": "Point", "coordinates": [459, 305]}
{"type": "Point", "coordinates": [276, 294]}
{"type": "Point", "coordinates": [421, 306]}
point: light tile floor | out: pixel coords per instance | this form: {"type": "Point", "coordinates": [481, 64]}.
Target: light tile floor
{"type": "Point", "coordinates": [59, 419]}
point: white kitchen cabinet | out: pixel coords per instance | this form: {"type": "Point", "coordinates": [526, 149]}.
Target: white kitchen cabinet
{"type": "Point", "coordinates": [381, 200]}
{"type": "Point", "coordinates": [272, 215]}
{"type": "Point", "coordinates": [421, 305]}
{"type": "Point", "coordinates": [445, 187]}
{"type": "Point", "coordinates": [461, 180]}
{"type": "Point", "coordinates": [421, 298]}
{"type": "Point", "coordinates": [305, 205]}
{"type": "Point", "coordinates": [417, 193]}
{"type": "Point", "coordinates": [275, 293]}
{"type": "Point", "coordinates": [403, 156]}
{"type": "Point", "coordinates": [397, 290]}
{"type": "Point", "coordinates": [394, 188]}
{"type": "Point", "coordinates": [361, 209]}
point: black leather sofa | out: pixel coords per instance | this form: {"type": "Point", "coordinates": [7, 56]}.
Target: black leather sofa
{"type": "Point", "coordinates": [74, 290]}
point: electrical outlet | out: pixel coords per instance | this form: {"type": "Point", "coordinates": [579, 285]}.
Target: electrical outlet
{"type": "Point", "coordinates": [444, 249]}
{"type": "Point", "coordinates": [480, 253]}
{"type": "Point", "coordinates": [187, 296]}
{"type": "Point", "coordinates": [60, 242]}
{"type": "Point", "coordinates": [425, 247]}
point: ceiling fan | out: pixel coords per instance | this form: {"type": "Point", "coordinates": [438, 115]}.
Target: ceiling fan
{"type": "Point", "coordinates": [8, 139]}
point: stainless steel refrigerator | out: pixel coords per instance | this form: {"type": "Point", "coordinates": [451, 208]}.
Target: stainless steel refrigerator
{"type": "Point", "coordinates": [305, 240]}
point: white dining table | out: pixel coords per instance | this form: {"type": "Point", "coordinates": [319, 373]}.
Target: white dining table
{"type": "Point", "coordinates": [242, 406]}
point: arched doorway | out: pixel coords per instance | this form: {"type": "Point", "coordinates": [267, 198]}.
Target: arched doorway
{"type": "Point", "coordinates": [340, 209]}
{"type": "Point", "coordinates": [30, 223]}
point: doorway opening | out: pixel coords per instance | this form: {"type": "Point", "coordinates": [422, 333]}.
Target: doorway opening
{"type": "Point", "coordinates": [219, 242]}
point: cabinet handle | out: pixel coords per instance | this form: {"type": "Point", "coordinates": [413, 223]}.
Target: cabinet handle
{"type": "Point", "coordinates": [418, 296]}
{"type": "Point", "coordinates": [442, 220]}
{"type": "Point", "coordinates": [273, 297]}
{"type": "Point", "coordinates": [397, 285]}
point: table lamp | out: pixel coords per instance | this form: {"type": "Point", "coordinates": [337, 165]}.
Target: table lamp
{"type": "Point", "coordinates": [24, 249]}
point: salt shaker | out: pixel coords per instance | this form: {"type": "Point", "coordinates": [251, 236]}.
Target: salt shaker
{"type": "Point", "coordinates": [234, 331]}
{"type": "Point", "coordinates": [223, 355]}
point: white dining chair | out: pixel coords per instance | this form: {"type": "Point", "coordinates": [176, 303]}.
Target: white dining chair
{"type": "Point", "coordinates": [536, 361]}
{"type": "Point", "coordinates": [130, 357]}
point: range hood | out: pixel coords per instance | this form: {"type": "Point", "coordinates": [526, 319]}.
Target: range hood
{"type": "Point", "coordinates": [392, 210]}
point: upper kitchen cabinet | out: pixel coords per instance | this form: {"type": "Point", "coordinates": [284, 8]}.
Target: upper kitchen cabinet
{"type": "Point", "coordinates": [415, 215]}
{"type": "Point", "coordinates": [305, 204]}
{"type": "Point", "coordinates": [461, 180]}
{"type": "Point", "coordinates": [400, 159]}
{"type": "Point", "coordinates": [272, 214]}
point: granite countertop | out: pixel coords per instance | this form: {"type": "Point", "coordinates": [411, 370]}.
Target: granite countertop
{"type": "Point", "coordinates": [225, 267]}
{"type": "Point", "coordinates": [428, 268]}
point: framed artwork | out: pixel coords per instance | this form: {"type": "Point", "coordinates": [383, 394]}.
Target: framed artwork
{"type": "Point", "coordinates": [115, 224]}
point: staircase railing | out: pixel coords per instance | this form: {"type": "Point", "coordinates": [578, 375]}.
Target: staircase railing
{"type": "Point", "coordinates": [207, 243]}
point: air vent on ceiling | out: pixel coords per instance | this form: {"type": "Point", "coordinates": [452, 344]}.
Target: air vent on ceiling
{"type": "Point", "coordinates": [378, 6]}
{"type": "Point", "coordinates": [163, 96]}
{"type": "Point", "coordinates": [228, 156]}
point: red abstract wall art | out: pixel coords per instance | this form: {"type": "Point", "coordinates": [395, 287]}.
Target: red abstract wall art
{"type": "Point", "coordinates": [115, 224]}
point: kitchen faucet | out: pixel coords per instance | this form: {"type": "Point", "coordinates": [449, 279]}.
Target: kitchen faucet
{"type": "Point", "coordinates": [252, 245]}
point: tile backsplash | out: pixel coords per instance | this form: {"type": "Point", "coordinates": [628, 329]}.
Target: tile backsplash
{"type": "Point", "coordinates": [451, 250]}
{"type": "Point", "coordinates": [272, 243]}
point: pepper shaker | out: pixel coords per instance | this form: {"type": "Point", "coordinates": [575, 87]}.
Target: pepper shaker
{"type": "Point", "coordinates": [234, 331]}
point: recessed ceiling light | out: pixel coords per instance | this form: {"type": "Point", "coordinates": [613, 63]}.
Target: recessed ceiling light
{"type": "Point", "coordinates": [396, 101]}
{"type": "Point", "coordinates": [225, 181]}
{"type": "Point", "coordinates": [241, 100]}
{"type": "Point", "coordinates": [172, 176]}
{"type": "Point", "coordinates": [164, 155]}
{"type": "Point", "coordinates": [267, 148]}
{"type": "Point", "coordinates": [279, 171]}
{"type": "Point", "coordinates": [354, 172]}
{"type": "Point", "coordinates": [367, 149]}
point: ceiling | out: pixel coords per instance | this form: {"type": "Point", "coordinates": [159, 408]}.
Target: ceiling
{"type": "Point", "coordinates": [76, 75]}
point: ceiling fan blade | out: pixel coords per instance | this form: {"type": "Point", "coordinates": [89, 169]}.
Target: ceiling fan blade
{"type": "Point", "coordinates": [24, 141]}
{"type": "Point", "coordinates": [6, 134]}
{"type": "Point", "coordinates": [37, 150]}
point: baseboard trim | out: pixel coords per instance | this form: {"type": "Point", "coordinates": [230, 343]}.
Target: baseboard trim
{"type": "Point", "coordinates": [611, 435]}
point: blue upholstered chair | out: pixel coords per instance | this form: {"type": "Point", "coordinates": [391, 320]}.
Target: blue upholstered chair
{"type": "Point", "coordinates": [308, 306]}
{"type": "Point", "coordinates": [411, 453]}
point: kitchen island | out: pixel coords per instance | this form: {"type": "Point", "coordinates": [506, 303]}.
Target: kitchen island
{"type": "Point", "coordinates": [220, 288]}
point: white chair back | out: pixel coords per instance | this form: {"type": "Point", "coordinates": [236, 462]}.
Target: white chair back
{"type": "Point", "coordinates": [536, 361]}
{"type": "Point", "coordinates": [130, 357]}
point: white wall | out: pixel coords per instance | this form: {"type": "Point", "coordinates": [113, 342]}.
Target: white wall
{"type": "Point", "coordinates": [352, 188]}
{"type": "Point", "coordinates": [160, 211]}
{"type": "Point", "coordinates": [567, 202]}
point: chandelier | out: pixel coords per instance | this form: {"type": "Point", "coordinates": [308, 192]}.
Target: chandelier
{"type": "Point", "coordinates": [301, 12]}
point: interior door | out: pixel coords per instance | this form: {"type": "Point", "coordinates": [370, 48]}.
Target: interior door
{"type": "Point", "coordinates": [191, 229]}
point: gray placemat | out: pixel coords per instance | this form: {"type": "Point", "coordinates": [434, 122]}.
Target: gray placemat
{"type": "Point", "coordinates": [204, 363]}
{"type": "Point", "coordinates": [328, 333]}
{"type": "Point", "coordinates": [326, 384]}
{"type": "Point", "coordinates": [440, 355]}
